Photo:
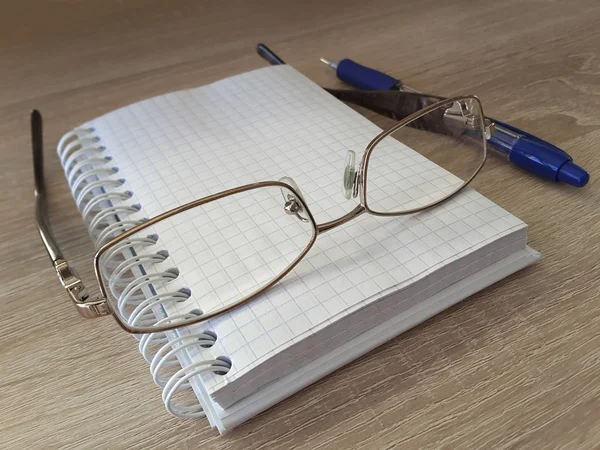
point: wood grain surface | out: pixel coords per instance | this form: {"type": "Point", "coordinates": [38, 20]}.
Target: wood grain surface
{"type": "Point", "coordinates": [515, 366]}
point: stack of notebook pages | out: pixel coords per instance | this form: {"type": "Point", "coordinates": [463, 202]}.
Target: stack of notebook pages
{"type": "Point", "coordinates": [359, 286]}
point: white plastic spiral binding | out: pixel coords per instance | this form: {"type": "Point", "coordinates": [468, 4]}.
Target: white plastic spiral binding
{"type": "Point", "coordinates": [107, 211]}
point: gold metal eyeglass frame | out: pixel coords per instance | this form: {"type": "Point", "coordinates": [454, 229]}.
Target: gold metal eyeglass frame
{"type": "Point", "coordinates": [97, 306]}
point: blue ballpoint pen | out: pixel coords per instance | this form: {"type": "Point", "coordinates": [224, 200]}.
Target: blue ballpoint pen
{"type": "Point", "coordinates": [522, 149]}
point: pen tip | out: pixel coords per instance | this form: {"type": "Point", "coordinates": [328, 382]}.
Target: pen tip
{"type": "Point", "coordinates": [332, 64]}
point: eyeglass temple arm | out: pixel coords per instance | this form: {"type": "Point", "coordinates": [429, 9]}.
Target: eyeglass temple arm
{"type": "Point", "coordinates": [397, 105]}
{"type": "Point", "coordinates": [41, 203]}
{"type": "Point", "coordinates": [67, 275]}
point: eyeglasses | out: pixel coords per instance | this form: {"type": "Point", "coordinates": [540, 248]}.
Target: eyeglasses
{"type": "Point", "coordinates": [266, 228]}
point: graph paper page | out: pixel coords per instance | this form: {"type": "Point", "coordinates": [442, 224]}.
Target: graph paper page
{"type": "Point", "coordinates": [264, 125]}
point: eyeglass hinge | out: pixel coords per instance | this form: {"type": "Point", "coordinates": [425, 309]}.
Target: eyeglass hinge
{"type": "Point", "coordinates": [460, 118]}
{"type": "Point", "coordinates": [91, 310]}
{"type": "Point", "coordinates": [78, 293]}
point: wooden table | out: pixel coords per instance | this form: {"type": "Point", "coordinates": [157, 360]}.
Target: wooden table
{"type": "Point", "coordinates": [515, 366]}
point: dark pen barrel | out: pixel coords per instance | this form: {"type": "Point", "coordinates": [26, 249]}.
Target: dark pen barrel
{"type": "Point", "coordinates": [266, 53]}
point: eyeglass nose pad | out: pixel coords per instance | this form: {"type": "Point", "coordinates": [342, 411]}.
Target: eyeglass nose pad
{"type": "Point", "coordinates": [293, 184]}
{"type": "Point", "coordinates": [349, 177]}
{"type": "Point", "coordinates": [292, 206]}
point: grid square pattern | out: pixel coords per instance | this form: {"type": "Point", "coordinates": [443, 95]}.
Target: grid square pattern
{"type": "Point", "coordinates": [424, 169]}
{"type": "Point", "coordinates": [400, 179]}
{"type": "Point", "coordinates": [264, 125]}
{"type": "Point", "coordinates": [232, 247]}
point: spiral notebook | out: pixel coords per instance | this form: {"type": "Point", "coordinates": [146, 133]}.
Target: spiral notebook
{"type": "Point", "coordinates": [358, 287]}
